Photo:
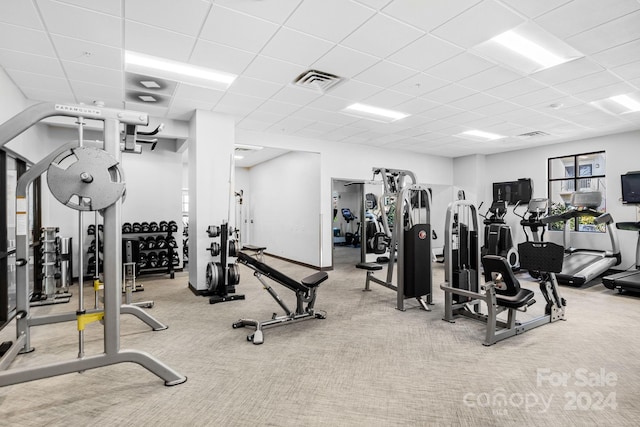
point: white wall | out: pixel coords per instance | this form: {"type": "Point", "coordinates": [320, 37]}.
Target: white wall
{"type": "Point", "coordinates": [622, 153]}
{"type": "Point", "coordinates": [284, 208]}
{"type": "Point", "coordinates": [354, 162]}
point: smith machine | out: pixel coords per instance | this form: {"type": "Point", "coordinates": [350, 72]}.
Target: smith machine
{"type": "Point", "coordinates": [84, 176]}
{"type": "Point", "coordinates": [408, 238]}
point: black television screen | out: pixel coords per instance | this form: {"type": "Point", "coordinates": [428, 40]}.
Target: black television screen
{"type": "Point", "coordinates": [630, 187]}
{"type": "Point", "coordinates": [513, 191]}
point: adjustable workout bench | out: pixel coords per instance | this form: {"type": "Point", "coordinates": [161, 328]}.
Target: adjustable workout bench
{"type": "Point", "coordinates": [305, 291]}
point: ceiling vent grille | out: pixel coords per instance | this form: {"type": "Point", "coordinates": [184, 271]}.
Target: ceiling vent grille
{"type": "Point", "coordinates": [533, 134]}
{"type": "Point", "coordinates": [318, 81]}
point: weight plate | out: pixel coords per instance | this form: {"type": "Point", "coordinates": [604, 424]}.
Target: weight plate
{"type": "Point", "coordinates": [86, 179]}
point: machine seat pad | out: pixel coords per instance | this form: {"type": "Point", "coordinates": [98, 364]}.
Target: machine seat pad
{"type": "Point", "coordinates": [521, 299]}
{"type": "Point", "coordinates": [315, 279]}
{"type": "Point", "coordinates": [371, 266]}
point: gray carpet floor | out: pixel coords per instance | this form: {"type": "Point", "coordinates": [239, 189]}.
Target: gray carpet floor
{"type": "Point", "coordinates": [365, 364]}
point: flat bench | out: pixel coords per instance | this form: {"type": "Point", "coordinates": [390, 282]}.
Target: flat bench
{"type": "Point", "coordinates": [258, 251]}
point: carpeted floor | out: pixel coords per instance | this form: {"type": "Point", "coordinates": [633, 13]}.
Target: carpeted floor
{"type": "Point", "coordinates": [365, 364]}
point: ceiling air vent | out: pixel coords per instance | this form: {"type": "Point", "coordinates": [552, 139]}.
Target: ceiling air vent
{"type": "Point", "coordinates": [533, 134]}
{"type": "Point", "coordinates": [318, 81]}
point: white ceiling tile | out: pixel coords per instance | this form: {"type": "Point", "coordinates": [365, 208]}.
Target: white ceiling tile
{"type": "Point", "coordinates": [237, 29]}
{"type": "Point", "coordinates": [296, 95]}
{"type": "Point", "coordinates": [478, 24]}
{"type": "Point", "coordinates": [22, 13]}
{"type": "Point", "coordinates": [375, 4]}
{"type": "Point", "coordinates": [157, 42]}
{"type": "Point", "coordinates": [515, 88]}
{"type": "Point", "coordinates": [254, 87]}
{"type": "Point", "coordinates": [25, 40]}
{"type": "Point", "coordinates": [290, 125]}
{"type": "Point", "coordinates": [273, 70]}
{"type": "Point", "coordinates": [112, 7]}
{"type": "Point", "coordinates": [46, 95]}
{"type": "Point", "coordinates": [425, 52]}
{"type": "Point", "coordinates": [272, 10]}
{"type": "Point", "coordinates": [605, 92]}
{"type": "Point", "coordinates": [537, 97]}
{"type": "Point", "coordinates": [496, 109]}
{"type": "Point", "coordinates": [220, 57]}
{"type": "Point", "coordinates": [608, 35]}
{"type": "Point", "coordinates": [581, 15]}
{"type": "Point", "coordinates": [440, 112]}
{"type": "Point", "coordinates": [251, 124]}
{"type": "Point", "coordinates": [355, 90]}
{"type": "Point", "coordinates": [345, 62]}
{"type": "Point", "coordinates": [277, 107]}
{"type": "Point", "coordinates": [335, 118]}
{"type": "Point", "coordinates": [265, 117]}
{"type": "Point", "coordinates": [464, 118]}
{"type": "Point", "coordinates": [491, 77]}
{"type": "Point", "coordinates": [237, 105]}
{"type": "Point", "coordinates": [416, 106]}
{"type": "Point", "coordinates": [387, 99]}
{"type": "Point", "coordinates": [385, 73]}
{"type": "Point", "coordinates": [536, 8]}
{"type": "Point", "coordinates": [568, 71]}
{"type": "Point", "coordinates": [475, 101]}
{"type": "Point", "coordinates": [89, 92]}
{"type": "Point", "coordinates": [459, 67]}
{"type": "Point", "coordinates": [76, 50]}
{"type": "Point", "coordinates": [296, 47]}
{"type": "Point", "coordinates": [313, 15]}
{"type": "Point", "coordinates": [186, 93]}
{"type": "Point", "coordinates": [163, 13]}
{"type": "Point", "coordinates": [88, 73]}
{"type": "Point", "coordinates": [72, 21]}
{"type": "Point", "coordinates": [419, 84]}
{"type": "Point", "coordinates": [591, 81]}
{"type": "Point", "coordinates": [11, 59]}
{"type": "Point", "coordinates": [345, 132]}
{"type": "Point", "coordinates": [329, 103]}
{"type": "Point", "coordinates": [427, 15]}
{"type": "Point", "coordinates": [628, 71]}
{"type": "Point", "coordinates": [322, 127]}
{"type": "Point", "coordinates": [38, 81]}
{"type": "Point", "coordinates": [373, 36]}
{"type": "Point", "coordinates": [619, 55]}
{"type": "Point", "coordinates": [449, 93]}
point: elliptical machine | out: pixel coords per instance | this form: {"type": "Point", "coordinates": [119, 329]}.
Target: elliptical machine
{"type": "Point", "coordinates": [497, 234]}
{"type": "Point", "coordinates": [532, 218]}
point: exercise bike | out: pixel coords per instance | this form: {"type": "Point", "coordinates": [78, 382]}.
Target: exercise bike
{"type": "Point", "coordinates": [532, 218]}
{"type": "Point", "coordinates": [350, 237]}
{"type": "Point", "coordinates": [497, 234]}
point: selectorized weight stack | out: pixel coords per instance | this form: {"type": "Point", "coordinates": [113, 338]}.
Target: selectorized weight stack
{"type": "Point", "coordinates": [85, 177]}
{"type": "Point", "coordinates": [222, 276]}
{"type": "Point", "coordinates": [408, 239]}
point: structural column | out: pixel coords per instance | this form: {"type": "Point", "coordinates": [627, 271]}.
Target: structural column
{"type": "Point", "coordinates": [211, 139]}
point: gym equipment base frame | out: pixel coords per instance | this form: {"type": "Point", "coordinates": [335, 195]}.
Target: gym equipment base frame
{"type": "Point", "coordinates": [305, 291]}
{"type": "Point", "coordinates": [86, 185]}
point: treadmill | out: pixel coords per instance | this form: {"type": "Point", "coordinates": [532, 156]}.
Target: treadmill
{"type": "Point", "coordinates": [626, 280]}
{"type": "Point", "coordinates": [583, 265]}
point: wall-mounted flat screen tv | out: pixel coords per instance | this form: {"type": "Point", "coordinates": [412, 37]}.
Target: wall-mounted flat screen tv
{"type": "Point", "coordinates": [630, 187]}
{"type": "Point", "coordinates": [512, 191]}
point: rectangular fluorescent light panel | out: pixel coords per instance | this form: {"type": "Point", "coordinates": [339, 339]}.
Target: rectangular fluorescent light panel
{"type": "Point", "coordinates": [177, 71]}
{"type": "Point", "coordinates": [628, 102]}
{"type": "Point", "coordinates": [479, 135]}
{"type": "Point", "coordinates": [527, 48]}
{"type": "Point", "coordinates": [374, 113]}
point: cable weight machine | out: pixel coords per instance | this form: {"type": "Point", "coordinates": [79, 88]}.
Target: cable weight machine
{"type": "Point", "coordinates": [408, 239]}
{"type": "Point", "coordinates": [83, 177]}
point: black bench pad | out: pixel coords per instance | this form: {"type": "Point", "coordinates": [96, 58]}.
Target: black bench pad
{"type": "Point", "coordinates": [371, 266]}
{"type": "Point", "coordinates": [315, 279]}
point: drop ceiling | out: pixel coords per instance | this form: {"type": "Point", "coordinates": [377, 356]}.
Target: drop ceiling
{"type": "Point", "coordinates": [413, 56]}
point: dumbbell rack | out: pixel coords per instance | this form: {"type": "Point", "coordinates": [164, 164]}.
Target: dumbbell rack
{"type": "Point", "coordinates": [222, 276]}
{"type": "Point", "coordinates": [54, 290]}
{"type": "Point", "coordinates": [151, 235]}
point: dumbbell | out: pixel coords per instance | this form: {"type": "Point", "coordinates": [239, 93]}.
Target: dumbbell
{"type": "Point", "coordinates": [91, 229]}
{"type": "Point", "coordinates": [163, 259]}
{"type": "Point", "coordinates": [161, 243]}
{"type": "Point", "coordinates": [214, 249]}
{"type": "Point", "coordinates": [171, 241]}
{"type": "Point", "coordinates": [144, 227]}
{"type": "Point", "coordinates": [126, 227]}
{"type": "Point", "coordinates": [153, 226]}
{"type": "Point", "coordinates": [92, 246]}
{"type": "Point", "coordinates": [173, 226]}
{"type": "Point", "coordinates": [152, 259]}
{"type": "Point", "coordinates": [175, 259]}
{"type": "Point", "coordinates": [136, 227]}
{"type": "Point", "coordinates": [163, 226]}
{"type": "Point", "coordinates": [142, 243]}
{"type": "Point", "coordinates": [151, 242]}
{"type": "Point", "coordinates": [142, 260]}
